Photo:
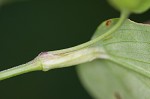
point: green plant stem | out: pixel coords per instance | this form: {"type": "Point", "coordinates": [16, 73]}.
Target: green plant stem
{"type": "Point", "coordinates": [66, 57]}
{"type": "Point", "coordinates": [47, 61]}
{"type": "Point", "coordinates": [124, 15]}
{"type": "Point", "coordinates": [21, 69]}
{"type": "Point", "coordinates": [51, 61]}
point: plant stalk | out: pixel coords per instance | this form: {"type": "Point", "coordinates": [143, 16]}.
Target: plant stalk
{"type": "Point", "coordinates": [66, 57]}
{"type": "Point", "coordinates": [21, 69]}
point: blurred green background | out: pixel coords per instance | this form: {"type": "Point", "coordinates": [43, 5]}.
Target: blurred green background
{"type": "Point", "coordinates": [30, 27]}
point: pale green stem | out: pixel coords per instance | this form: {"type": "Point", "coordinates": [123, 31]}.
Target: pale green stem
{"type": "Point", "coordinates": [21, 69]}
{"type": "Point", "coordinates": [51, 60]}
{"type": "Point", "coordinates": [66, 57]}
{"type": "Point", "coordinates": [123, 17]}
{"type": "Point", "coordinates": [48, 60]}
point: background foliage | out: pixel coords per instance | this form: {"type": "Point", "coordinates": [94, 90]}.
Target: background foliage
{"type": "Point", "coordinates": [29, 27]}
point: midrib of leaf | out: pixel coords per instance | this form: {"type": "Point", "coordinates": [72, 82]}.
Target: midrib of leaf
{"type": "Point", "coordinates": [137, 74]}
{"type": "Point", "coordinates": [131, 67]}
{"type": "Point", "coordinates": [130, 58]}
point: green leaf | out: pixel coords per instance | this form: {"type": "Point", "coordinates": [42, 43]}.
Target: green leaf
{"type": "Point", "coordinates": [135, 6]}
{"type": "Point", "coordinates": [125, 73]}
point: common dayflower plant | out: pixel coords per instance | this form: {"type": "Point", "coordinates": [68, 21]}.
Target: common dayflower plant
{"type": "Point", "coordinates": [114, 64]}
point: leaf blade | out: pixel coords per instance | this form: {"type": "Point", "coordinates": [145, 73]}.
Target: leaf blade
{"type": "Point", "coordinates": [128, 47]}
